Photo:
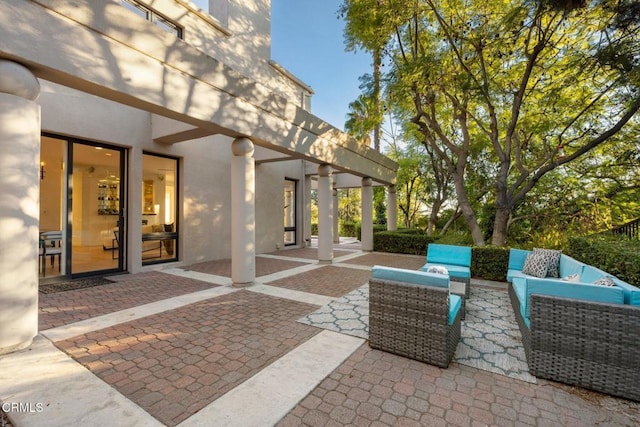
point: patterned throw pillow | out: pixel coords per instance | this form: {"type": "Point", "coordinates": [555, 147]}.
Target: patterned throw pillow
{"type": "Point", "coordinates": [536, 264]}
{"type": "Point", "coordinates": [553, 257]}
{"type": "Point", "coordinates": [572, 278]}
{"type": "Point", "coordinates": [605, 281]}
{"type": "Point", "coordinates": [439, 269]}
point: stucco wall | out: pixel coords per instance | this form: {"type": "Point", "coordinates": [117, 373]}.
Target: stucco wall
{"type": "Point", "coordinates": [204, 182]}
{"type": "Point", "coordinates": [241, 39]}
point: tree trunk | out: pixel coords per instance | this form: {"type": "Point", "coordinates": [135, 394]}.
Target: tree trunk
{"type": "Point", "coordinates": [500, 226]}
{"type": "Point", "coordinates": [433, 217]}
{"type": "Point", "coordinates": [467, 211]}
{"type": "Point", "coordinates": [377, 63]}
{"type": "Point", "coordinates": [451, 220]}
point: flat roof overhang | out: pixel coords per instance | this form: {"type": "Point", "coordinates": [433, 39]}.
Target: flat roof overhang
{"type": "Point", "coordinates": [97, 48]}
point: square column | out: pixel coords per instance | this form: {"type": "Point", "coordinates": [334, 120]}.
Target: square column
{"type": "Point", "coordinates": [306, 226]}
{"type": "Point", "coordinates": [336, 224]}
{"type": "Point", "coordinates": [19, 206]}
{"type": "Point", "coordinates": [325, 215]}
{"type": "Point", "coordinates": [366, 240]}
{"type": "Point", "coordinates": [243, 213]}
{"type": "Point", "coordinates": [392, 209]}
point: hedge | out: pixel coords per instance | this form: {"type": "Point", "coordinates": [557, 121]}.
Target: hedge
{"type": "Point", "coordinates": [349, 229]}
{"type": "Point", "coordinates": [401, 243]}
{"type": "Point", "coordinates": [490, 262]}
{"type": "Point", "coordinates": [616, 255]}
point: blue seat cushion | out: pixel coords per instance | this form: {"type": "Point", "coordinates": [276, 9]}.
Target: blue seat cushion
{"type": "Point", "coordinates": [582, 291]}
{"type": "Point", "coordinates": [512, 274]}
{"type": "Point", "coordinates": [454, 270]}
{"type": "Point", "coordinates": [455, 303]}
{"type": "Point", "coordinates": [517, 258]}
{"type": "Point", "coordinates": [449, 254]}
{"type": "Point", "coordinates": [590, 274]}
{"type": "Point", "coordinates": [410, 276]}
{"type": "Point", "coordinates": [569, 266]}
{"type": "Point", "coordinates": [631, 293]}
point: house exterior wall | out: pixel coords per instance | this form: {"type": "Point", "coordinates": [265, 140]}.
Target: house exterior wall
{"type": "Point", "coordinates": [205, 181]}
{"type": "Point", "coordinates": [113, 77]}
{"type": "Point", "coordinates": [237, 33]}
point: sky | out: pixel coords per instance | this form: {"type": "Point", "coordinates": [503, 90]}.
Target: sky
{"type": "Point", "coordinates": [307, 39]}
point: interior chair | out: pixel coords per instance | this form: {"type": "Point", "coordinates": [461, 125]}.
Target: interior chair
{"type": "Point", "coordinates": [50, 246]}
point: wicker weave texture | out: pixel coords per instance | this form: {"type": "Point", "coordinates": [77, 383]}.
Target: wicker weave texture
{"type": "Point", "coordinates": [588, 344]}
{"type": "Point", "coordinates": [583, 343]}
{"type": "Point", "coordinates": [411, 320]}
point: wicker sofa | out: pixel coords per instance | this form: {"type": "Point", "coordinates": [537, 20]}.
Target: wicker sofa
{"type": "Point", "coordinates": [413, 314]}
{"type": "Point", "coordinates": [578, 333]}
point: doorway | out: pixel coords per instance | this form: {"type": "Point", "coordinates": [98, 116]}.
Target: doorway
{"type": "Point", "coordinates": [82, 193]}
{"type": "Point", "coordinates": [290, 209]}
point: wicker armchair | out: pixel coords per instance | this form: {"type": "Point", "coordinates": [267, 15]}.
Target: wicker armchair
{"type": "Point", "coordinates": [413, 321]}
{"type": "Point", "coordinates": [583, 343]}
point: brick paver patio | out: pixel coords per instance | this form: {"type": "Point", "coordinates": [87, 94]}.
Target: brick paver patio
{"type": "Point", "coordinates": [63, 308]}
{"type": "Point", "coordinates": [176, 362]}
{"type": "Point", "coordinates": [307, 253]}
{"type": "Point", "coordinates": [327, 280]}
{"type": "Point", "coordinates": [264, 266]}
{"type": "Point", "coordinates": [410, 262]}
{"type": "Point", "coordinates": [374, 388]}
{"type": "Point", "coordinates": [173, 364]}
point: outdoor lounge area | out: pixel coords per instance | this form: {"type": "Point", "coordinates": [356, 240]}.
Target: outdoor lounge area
{"type": "Point", "coordinates": [181, 346]}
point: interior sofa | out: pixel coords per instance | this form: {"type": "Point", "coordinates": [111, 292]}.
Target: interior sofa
{"type": "Point", "coordinates": [413, 314]}
{"type": "Point", "coordinates": [581, 328]}
{"type": "Point", "coordinates": [109, 238]}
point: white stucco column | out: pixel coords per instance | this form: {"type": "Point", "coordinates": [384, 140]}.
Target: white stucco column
{"type": "Point", "coordinates": [243, 213]}
{"type": "Point", "coordinates": [392, 209]}
{"type": "Point", "coordinates": [19, 205]}
{"type": "Point", "coordinates": [306, 226]}
{"type": "Point", "coordinates": [325, 215]}
{"type": "Point", "coordinates": [366, 240]}
{"type": "Point", "coordinates": [336, 224]}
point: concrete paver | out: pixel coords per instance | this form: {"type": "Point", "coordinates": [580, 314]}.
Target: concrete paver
{"type": "Point", "coordinates": [411, 262]}
{"type": "Point", "coordinates": [377, 388]}
{"type": "Point", "coordinates": [307, 253]}
{"type": "Point", "coordinates": [63, 308]}
{"type": "Point", "coordinates": [264, 266]}
{"type": "Point", "coordinates": [175, 363]}
{"type": "Point", "coordinates": [238, 357]}
{"type": "Point", "coordinates": [327, 280]}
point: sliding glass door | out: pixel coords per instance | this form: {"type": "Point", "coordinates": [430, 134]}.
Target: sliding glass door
{"type": "Point", "coordinates": [82, 195]}
{"type": "Point", "coordinates": [290, 202]}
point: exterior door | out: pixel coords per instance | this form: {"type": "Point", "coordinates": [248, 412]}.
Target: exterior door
{"type": "Point", "coordinates": [96, 203]}
{"type": "Point", "coordinates": [81, 197]}
{"type": "Point", "coordinates": [290, 212]}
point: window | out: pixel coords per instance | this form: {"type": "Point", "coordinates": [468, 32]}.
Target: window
{"type": "Point", "coordinates": [159, 208]}
{"type": "Point", "coordinates": [289, 212]}
{"type": "Point", "coordinates": [150, 15]}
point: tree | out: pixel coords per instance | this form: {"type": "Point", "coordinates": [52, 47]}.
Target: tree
{"type": "Point", "coordinates": [359, 122]}
{"type": "Point", "coordinates": [517, 89]}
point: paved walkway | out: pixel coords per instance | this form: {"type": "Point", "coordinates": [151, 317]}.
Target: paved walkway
{"type": "Point", "coordinates": [183, 347]}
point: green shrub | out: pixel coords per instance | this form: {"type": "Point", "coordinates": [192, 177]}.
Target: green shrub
{"type": "Point", "coordinates": [378, 228]}
{"type": "Point", "coordinates": [349, 229]}
{"type": "Point", "coordinates": [617, 255]}
{"type": "Point", "coordinates": [462, 238]}
{"type": "Point", "coordinates": [489, 262]}
{"type": "Point", "coordinates": [401, 243]}
{"type": "Point", "coordinates": [410, 231]}
{"type": "Point", "coordinates": [314, 229]}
